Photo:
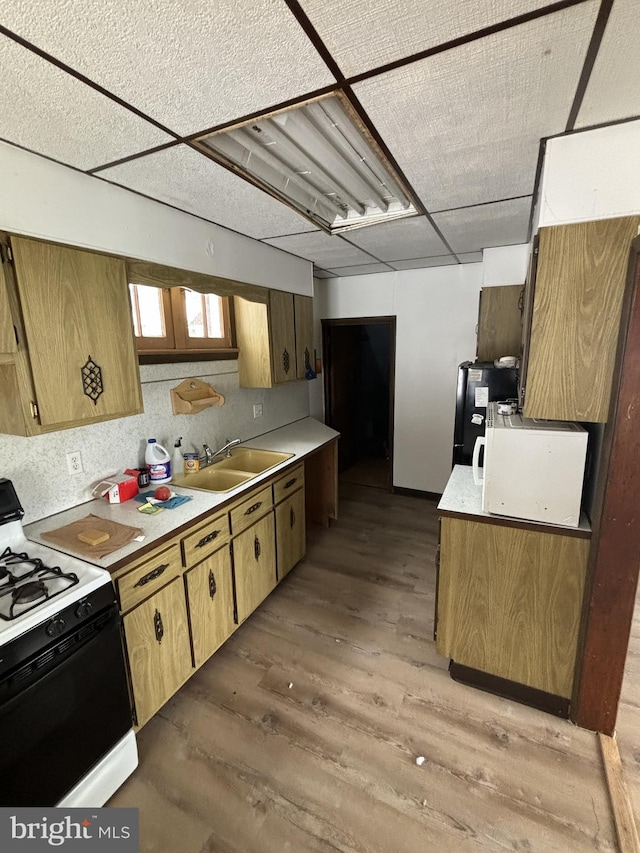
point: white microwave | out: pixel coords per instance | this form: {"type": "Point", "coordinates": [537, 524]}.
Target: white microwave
{"type": "Point", "coordinates": [533, 469]}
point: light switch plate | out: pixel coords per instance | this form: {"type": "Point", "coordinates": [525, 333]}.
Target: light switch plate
{"type": "Point", "coordinates": [257, 410]}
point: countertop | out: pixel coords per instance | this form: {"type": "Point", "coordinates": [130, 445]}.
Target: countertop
{"type": "Point", "coordinates": [300, 438]}
{"type": "Point", "coordinates": [462, 498]}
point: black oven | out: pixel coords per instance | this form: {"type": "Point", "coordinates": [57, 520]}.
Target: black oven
{"type": "Point", "coordinates": [64, 700]}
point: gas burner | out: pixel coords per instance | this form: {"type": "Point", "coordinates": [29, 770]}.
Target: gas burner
{"type": "Point", "coordinates": [28, 592]}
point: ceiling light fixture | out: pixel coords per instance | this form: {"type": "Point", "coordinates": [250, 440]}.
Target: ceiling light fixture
{"type": "Point", "coordinates": [317, 159]}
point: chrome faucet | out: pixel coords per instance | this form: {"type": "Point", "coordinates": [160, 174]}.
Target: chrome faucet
{"type": "Point", "coordinates": [209, 456]}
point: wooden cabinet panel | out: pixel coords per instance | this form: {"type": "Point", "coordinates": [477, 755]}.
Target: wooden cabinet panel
{"type": "Point", "coordinates": [148, 576]}
{"type": "Point", "coordinates": [158, 649]}
{"type": "Point", "coordinates": [578, 295]}
{"type": "Point", "coordinates": [206, 539]}
{"type": "Point", "coordinates": [247, 511]}
{"type": "Point", "coordinates": [254, 565]}
{"type": "Point", "coordinates": [509, 602]}
{"type": "Point", "coordinates": [290, 533]}
{"type": "Point", "coordinates": [210, 597]}
{"type": "Point", "coordinates": [292, 480]}
{"type": "Point", "coordinates": [500, 322]}
{"type": "Point", "coordinates": [75, 306]}
{"type": "Point", "coordinates": [283, 339]}
{"type": "Point", "coordinates": [321, 484]}
{"type": "Point", "coordinates": [252, 335]}
{"type": "Point", "coordinates": [7, 335]}
{"type": "Point", "coordinates": [303, 313]}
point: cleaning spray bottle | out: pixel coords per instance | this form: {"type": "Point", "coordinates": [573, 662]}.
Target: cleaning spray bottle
{"type": "Point", "coordinates": [177, 460]}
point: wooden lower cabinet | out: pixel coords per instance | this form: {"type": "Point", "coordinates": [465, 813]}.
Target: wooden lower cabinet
{"type": "Point", "coordinates": [157, 641]}
{"type": "Point", "coordinates": [209, 588]}
{"type": "Point", "coordinates": [510, 600]}
{"type": "Point", "coordinates": [290, 533]}
{"type": "Point", "coordinates": [254, 565]}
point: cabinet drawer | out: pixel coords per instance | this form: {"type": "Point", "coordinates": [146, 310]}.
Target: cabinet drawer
{"type": "Point", "coordinates": [149, 576]}
{"type": "Point", "coordinates": [205, 540]}
{"type": "Point", "coordinates": [245, 513]}
{"type": "Point", "coordinates": [288, 483]}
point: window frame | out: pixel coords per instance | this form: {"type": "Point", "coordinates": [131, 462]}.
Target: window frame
{"type": "Point", "coordinates": [177, 344]}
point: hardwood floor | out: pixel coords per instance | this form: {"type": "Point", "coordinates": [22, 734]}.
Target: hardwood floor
{"type": "Point", "coordinates": [302, 732]}
{"type": "Point", "coordinates": [368, 472]}
{"type": "Point", "coordinates": [628, 722]}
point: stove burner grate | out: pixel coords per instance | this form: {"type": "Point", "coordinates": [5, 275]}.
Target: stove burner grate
{"type": "Point", "coordinates": [30, 587]}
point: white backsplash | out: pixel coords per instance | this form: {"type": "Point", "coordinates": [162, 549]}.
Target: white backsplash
{"type": "Point", "coordinates": [37, 466]}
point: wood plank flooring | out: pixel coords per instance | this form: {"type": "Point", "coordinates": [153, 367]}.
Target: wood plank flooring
{"type": "Point", "coordinates": [628, 722]}
{"type": "Point", "coordinates": [239, 761]}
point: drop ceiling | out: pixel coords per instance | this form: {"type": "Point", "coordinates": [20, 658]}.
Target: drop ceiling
{"type": "Point", "coordinates": [459, 95]}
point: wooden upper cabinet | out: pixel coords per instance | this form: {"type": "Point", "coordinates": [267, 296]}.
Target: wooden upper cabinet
{"type": "Point", "coordinates": [303, 314]}
{"type": "Point", "coordinates": [7, 334]}
{"type": "Point", "coordinates": [268, 339]}
{"type": "Point", "coordinates": [79, 336]}
{"type": "Point", "coordinates": [500, 322]}
{"type": "Point", "coordinates": [283, 336]}
{"type": "Point", "coordinates": [577, 304]}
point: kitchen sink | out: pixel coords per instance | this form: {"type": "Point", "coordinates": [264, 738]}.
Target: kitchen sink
{"type": "Point", "coordinates": [244, 464]}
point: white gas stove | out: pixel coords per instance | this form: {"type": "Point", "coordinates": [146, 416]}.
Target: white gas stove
{"type": "Point", "coordinates": [64, 700]}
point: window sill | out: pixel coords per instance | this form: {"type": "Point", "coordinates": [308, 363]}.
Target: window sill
{"type": "Point", "coordinates": [169, 356]}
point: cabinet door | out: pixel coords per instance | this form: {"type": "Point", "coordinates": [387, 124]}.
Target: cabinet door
{"type": "Point", "coordinates": [500, 322]}
{"type": "Point", "coordinates": [577, 307]}
{"type": "Point", "coordinates": [303, 311]}
{"type": "Point", "coordinates": [158, 649]}
{"type": "Point", "coordinates": [7, 334]}
{"type": "Point", "coordinates": [510, 600]}
{"type": "Point", "coordinates": [283, 340]}
{"type": "Point", "coordinates": [210, 597]}
{"type": "Point", "coordinates": [254, 565]}
{"type": "Point", "coordinates": [290, 533]}
{"type": "Point", "coordinates": [76, 310]}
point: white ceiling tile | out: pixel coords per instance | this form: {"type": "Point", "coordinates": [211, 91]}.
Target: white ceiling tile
{"type": "Point", "coordinates": [465, 125]}
{"type": "Point", "coordinates": [613, 90]}
{"type": "Point", "coordinates": [48, 111]}
{"type": "Point", "coordinates": [403, 238]}
{"type": "Point", "coordinates": [189, 65]}
{"type": "Point", "coordinates": [325, 250]}
{"type": "Point", "coordinates": [364, 269]}
{"type": "Point", "coordinates": [470, 257]}
{"type": "Point", "coordinates": [423, 263]}
{"type": "Point", "coordinates": [473, 228]}
{"type": "Point", "coordinates": [190, 181]}
{"type": "Point", "coordinates": [318, 273]}
{"type": "Point", "coordinates": [365, 34]}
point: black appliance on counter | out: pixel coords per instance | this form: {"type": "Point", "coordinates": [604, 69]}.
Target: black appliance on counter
{"type": "Point", "coordinates": [479, 383]}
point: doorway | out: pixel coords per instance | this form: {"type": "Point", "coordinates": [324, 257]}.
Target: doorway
{"type": "Point", "coordinates": [359, 357]}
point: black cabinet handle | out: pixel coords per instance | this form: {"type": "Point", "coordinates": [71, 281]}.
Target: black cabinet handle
{"type": "Point", "coordinates": [212, 584]}
{"type": "Point", "coordinates": [290, 482]}
{"type": "Point", "coordinates": [307, 359]}
{"type": "Point", "coordinates": [286, 360]}
{"type": "Point", "coordinates": [152, 575]}
{"type": "Point", "coordinates": [257, 550]}
{"type": "Point", "coordinates": [206, 539]}
{"type": "Point", "coordinates": [253, 508]}
{"type": "Point", "coordinates": [158, 627]}
{"type": "Point", "coordinates": [292, 517]}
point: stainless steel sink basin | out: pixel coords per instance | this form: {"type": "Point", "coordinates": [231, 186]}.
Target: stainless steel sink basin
{"type": "Point", "coordinates": [244, 464]}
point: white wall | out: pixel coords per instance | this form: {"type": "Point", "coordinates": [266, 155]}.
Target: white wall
{"type": "Point", "coordinates": [40, 198]}
{"type": "Point", "coordinates": [37, 465]}
{"type": "Point", "coordinates": [505, 265]}
{"type": "Point", "coordinates": [591, 175]}
{"type": "Point", "coordinates": [436, 311]}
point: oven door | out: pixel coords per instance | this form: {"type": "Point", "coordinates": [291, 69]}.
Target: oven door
{"type": "Point", "coordinates": [61, 712]}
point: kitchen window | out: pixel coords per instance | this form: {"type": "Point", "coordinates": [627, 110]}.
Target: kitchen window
{"type": "Point", "coordinates": [174, 321]}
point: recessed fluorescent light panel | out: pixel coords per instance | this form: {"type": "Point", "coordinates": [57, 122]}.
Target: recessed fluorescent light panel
{"type": "Point", "coordinates": [317, 159]}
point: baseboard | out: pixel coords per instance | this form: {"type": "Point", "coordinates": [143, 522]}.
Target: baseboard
{"type": "Point", "coordinates": [549, 702]}
{"type": "Point", "coordinates": [416, 493]}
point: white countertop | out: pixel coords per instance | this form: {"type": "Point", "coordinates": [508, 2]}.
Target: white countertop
{"type": "Point", "coordinates": [462, 497]}
{"type": "Point", "coordinates": [299, 438]}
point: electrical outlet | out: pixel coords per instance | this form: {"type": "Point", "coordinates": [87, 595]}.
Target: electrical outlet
{"type": "Point", "coordinates": [257, 410]}
{"type": "Point", "coordinates": [74, 462]}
